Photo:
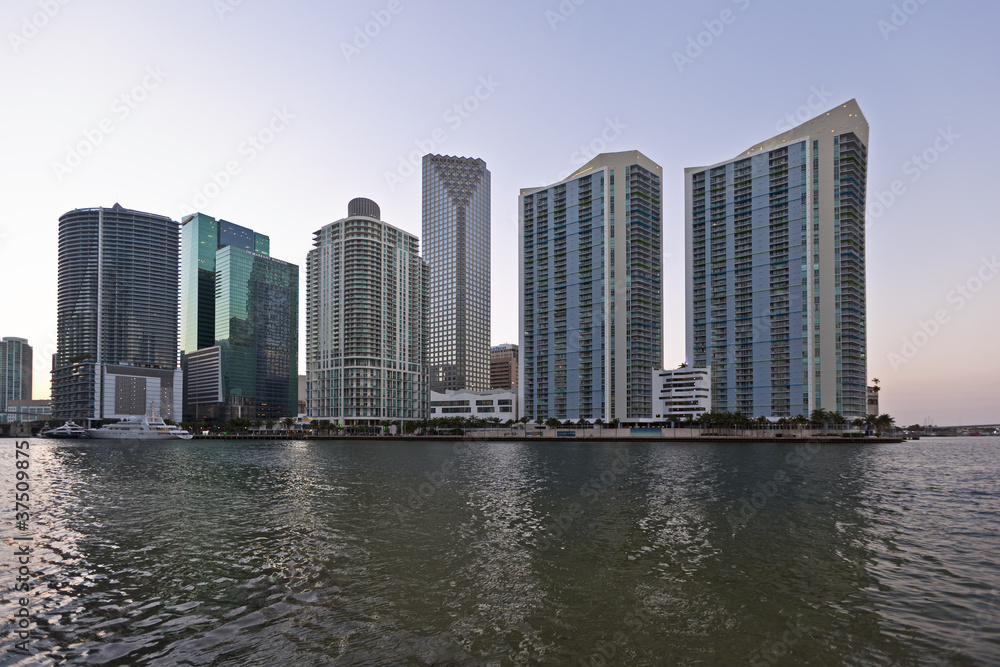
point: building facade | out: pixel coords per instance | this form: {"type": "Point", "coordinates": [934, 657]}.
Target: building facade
{"type": "Point", "coordinates": [27, 410]}
{"type": "Point", "coordinates": [591, 293]}
{"type": "Point", "coordinates": [15, 371]}
{"type": "Point", "coordinates": [366, 322]}
{"type": "Point", "coordinates": [503, 366]}
{"type": "Point", "coordinates": [681, 393]}
{"type": "Point", "coordinates": [872, 409]}
{"type": "Point", "coordinates": [775, 253]}
{"type": "Point", "coordinates": [456, 232]}
{"type": "Point", "coordinates": [116, 333]}
{"type": "Point", "coordinates": [495, 403]}
{"type": "Point", "coordinates": [239, 318]}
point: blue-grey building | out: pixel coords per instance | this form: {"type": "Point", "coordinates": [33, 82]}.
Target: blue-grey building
{"type": "Point", "coordinates": [15, 372]}
{"type": "Point", "coordinates": [775, 254]}
{"type": "Point", "coordinates": [591, 293]}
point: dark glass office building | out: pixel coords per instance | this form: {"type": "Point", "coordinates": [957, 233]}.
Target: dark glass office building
{"type": "Point", "coordinates": [116, 336]}
{"type": "Point", "coordinates": [239, 324]}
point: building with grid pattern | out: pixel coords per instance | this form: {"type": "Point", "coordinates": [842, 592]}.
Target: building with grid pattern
{"type": "Point", "coordinates": [15, 372]}
{"type": "Point", "coordinates": [116, 330]}
{"type": "Point", "coordinates": [591, 296]}
{"type": "Point", "coordinates": [775, 254]}
{"type": "Point", "coordinates": [366, 322]}
{"type": "Point", "coordinates": [503, 366]}
{"type": "Point", "coordinates": [456, 232]}
{"type": "Point", "coordinates": [239, 324]}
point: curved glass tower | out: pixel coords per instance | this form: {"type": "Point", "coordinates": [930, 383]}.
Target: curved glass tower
{"type": "Point", "coordinates": [116, 332]}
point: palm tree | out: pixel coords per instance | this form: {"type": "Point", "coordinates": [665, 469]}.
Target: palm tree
{"type": "Point", "coordinates": [288, 422]}
{"type": "Point", "coordinates": [599, 423]}
{"type": "Point", "coordinates": [552, 422]}
{"type": "Point", "coordinates": [884, 423]}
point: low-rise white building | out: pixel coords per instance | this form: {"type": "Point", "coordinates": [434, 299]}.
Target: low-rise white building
{"type": "Point", "coordinates": [681, 393]}
{"type": "Point", "coordinates": [499, 403]}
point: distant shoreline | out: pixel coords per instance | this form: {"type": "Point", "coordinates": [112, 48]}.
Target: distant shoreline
{"type": "Point", "coordinates": [520, 438]}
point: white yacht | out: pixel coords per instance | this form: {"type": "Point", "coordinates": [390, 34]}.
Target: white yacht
{"type": "Point", "coordinates": [147, 427]}
{"type": "Point", "coordinates": [67, 430]}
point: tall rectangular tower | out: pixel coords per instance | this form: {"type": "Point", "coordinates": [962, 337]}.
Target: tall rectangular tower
{"type": "Point", "coordinates": [591, 297]}
{"type": "Point", "coordinates": [456, 231]}
{"type": "Point", "coordinates": [201, 237]}
{"type": "Point", "coordinates": [366, 314]}
{"type": "Point", "coordinates": [239, 323]}
{"type": "Point", "coordinates": [775, 254]}
{"type": "Point", "coordinates": [15, 370]}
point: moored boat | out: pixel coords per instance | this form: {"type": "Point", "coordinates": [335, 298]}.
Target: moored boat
{"type": "Point", "coordinates": [146, 427]}
{"type": "Point", "coordinates": [68, 430]}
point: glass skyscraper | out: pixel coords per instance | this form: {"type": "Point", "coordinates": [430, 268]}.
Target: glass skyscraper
{"type": "Point", "coordinates": [456, 231]}
{"type": "Point", "coordinates": [591, 297]}
{"type": "Point", "coordinates": [775, 253]}
{"type": "Point", "coordinates": [366, 332]}
{"type": "Point", "coordinates": [15, 371]}
{"type": "Point", "coordinates": [116, 335]}
{"type": "Point", "coordinates": [239, 322]}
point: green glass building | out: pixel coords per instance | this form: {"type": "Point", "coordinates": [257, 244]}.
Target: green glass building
{"type": "Point", "coordinates": [239, 324]}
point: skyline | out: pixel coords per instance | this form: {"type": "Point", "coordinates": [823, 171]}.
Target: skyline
{"type": "Point", "coordinates": [265, 107]}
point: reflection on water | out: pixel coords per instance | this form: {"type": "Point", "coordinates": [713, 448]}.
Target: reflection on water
{"type": "Point", "coordinates": [388, 553]}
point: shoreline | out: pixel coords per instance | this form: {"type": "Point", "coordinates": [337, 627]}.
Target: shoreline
{"type": "Point", "coordinates": [520, 438]}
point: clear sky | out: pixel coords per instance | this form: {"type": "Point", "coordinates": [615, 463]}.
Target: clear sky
{"type": "Point", "coordinates": [274, 115]}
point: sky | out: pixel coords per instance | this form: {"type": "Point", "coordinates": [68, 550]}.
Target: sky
{"type": "Point", "coordinates": [275, 115]}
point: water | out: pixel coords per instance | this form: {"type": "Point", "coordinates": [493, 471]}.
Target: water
{"type": "Point", "coordinates": [388, 553]}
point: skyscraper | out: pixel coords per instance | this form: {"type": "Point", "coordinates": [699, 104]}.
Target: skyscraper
{"type": "Point", "coordinates": [366, 314]}
{"type": "Point", "coordinates": [456, 231]}
{"type": "Point", "coordinates": [775, 252]}
{"type": "Point", "coordinates": [591, 295]}
{"type": "Point", "coordinates": [116, 336]}
{"type": "Point", "coordinates": [15, 371]}
{"type": "Point", "coordinates": [503, 366]}
{"type": "Point", "coordinates": [239, 322]}
{"type": "Point", "coordinates": [202, 236]}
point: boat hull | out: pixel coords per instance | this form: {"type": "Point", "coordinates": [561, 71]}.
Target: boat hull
{"type": "Point", "coordinates": [138, 435]}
